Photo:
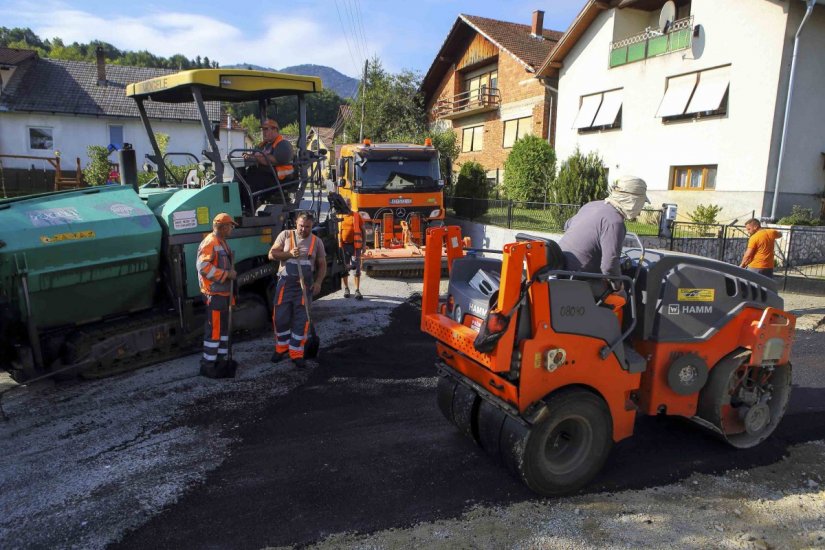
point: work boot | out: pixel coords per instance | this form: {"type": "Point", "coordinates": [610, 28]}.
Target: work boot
{"type": "Point", "coordinates": [346, 293]}
{"type": "Point", "coordinates": [358, 295]}
{"type": "Point", "coordinates": [226, 368]}
{"type": "Point", "coordinates": [300, 362]}
{"type": "Point", "coordinates": [279, 356]}
{"type": "Point", "coordinates": [210, 369]}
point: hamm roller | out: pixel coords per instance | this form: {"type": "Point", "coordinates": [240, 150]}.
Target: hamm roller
{"type": "Point", "coordinates": [545, 376]}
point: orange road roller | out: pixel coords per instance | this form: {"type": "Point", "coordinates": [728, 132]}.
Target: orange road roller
{"type": "Point", "coordinates": [545, 374]}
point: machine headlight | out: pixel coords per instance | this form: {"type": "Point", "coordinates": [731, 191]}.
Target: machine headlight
{"type": "Point", "coordinates": [435, 213]}
{"type": "Point", "coordinates": [364, 216]}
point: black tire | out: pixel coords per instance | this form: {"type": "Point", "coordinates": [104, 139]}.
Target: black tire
{"type": "Point", "coordinates": [569, 445]}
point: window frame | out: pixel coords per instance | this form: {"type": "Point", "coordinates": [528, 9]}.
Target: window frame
{"type": "Point", "coordinates": [518, 121]}
{"type": "Point", "coordinates": [39, 128]}
{"type": "Point", "coordinates": [599, 97]}
{"type": "Point", "coordinates": [472, 129]}
{"type": "Point", "coordinates": [689, 170]}
{"type": "Point", "coordinates": [122, 134]}
{"type": "Point", "coordinates": [721, 112]}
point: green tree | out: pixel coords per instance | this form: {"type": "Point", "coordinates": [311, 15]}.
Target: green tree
{"type": "Point", "coordinates": [252, 125]}
{"type": "Point", "coordinates": [529, 170]}
{"type": "Point", "coordinates": [581, 179]}
{"type": "Point", "coordinates": [392, 104]}
{"type": "Point", "coordinates": [470, 194]}
{"type": "Point", "coordinates": [447, 144]}
{"type": "Point", "coordinates": [96, 171]}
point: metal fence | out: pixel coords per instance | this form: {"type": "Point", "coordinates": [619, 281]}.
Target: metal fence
{"type": "Point", "coordinates": [537, 216]}
{"type": "Point", "coordinates": [799, 254]}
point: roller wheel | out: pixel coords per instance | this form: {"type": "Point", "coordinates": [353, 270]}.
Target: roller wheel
{"type": "Point", "coordinates": [567, 447]}
{"type": "Point", "coordinates": [459, 404]}
{"type": "Point", "coordinates": [745, 403]}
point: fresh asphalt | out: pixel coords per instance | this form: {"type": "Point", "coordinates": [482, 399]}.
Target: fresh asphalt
{"type": "Point", "coordinates": [362, 447]}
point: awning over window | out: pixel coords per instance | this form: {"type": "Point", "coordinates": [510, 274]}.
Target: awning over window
{"type": "Point", "coordinates": [609, 110]}
{"type": "Point", "coordinates": [679, 89]}
{"type": "Point", "coordinates": [710, 91]}
{"type": "Point", "coordinates": [587, 111]}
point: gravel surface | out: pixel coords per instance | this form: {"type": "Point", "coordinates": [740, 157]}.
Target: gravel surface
{"type": "Point", "coordinates": [87, 461]}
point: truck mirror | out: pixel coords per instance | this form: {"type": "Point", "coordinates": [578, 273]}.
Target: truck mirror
{"type": "Point", "coordinates": [333, 173]}
{"type": "Point", "coordinates": [342, 182]}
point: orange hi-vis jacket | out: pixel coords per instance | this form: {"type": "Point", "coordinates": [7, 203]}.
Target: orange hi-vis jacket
{"type": "Point", "coordinates": [214, 265]}
{"type": "Point", "coordinates": [283, 170]}
{"type": "Point", "coordinates": [351, 232]}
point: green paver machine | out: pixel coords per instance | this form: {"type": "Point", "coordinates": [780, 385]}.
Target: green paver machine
{"type": "Point", "coordinates": [99, 280]}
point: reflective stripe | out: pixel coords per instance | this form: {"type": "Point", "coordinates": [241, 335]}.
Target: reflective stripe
{"type": "Point", "coordinates": [218, 248]}
{"type": "Point", "coordinates": [211, 273]}
{"type": "Point", "coordinates": [297, 336]}
{"type": "Point", "coordinates": [225, 338]}
{"type": "Point", "coordinates": [299, 347]}
{"type": "Point", "coordinates": [209, 344]}
{"type": "Point", "coordinates": [284, 333]}
{"type": "Point", "coordinates": [223, 351]}
{"type": "Point", "coordinates": [210, 357]}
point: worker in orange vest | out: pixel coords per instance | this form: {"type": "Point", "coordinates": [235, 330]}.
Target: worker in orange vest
{"type": "Point", "coordinates": [215, 275]}
{"type": "Point", "coordinates": [274, 150]}
{"type": "Point", "coordinates": [351, 241]}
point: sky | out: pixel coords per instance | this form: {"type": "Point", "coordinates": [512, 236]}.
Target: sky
{"type": "Point", "coordinates": [337, 33]}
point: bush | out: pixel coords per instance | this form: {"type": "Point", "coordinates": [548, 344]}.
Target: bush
{"type": "Point", "coordinates": [529, 170]}
{"type": "Point", "coordinates": [705, 215]}
{"type": "Point", "coordinates": [581, 179]}
{"type": "Point", "coordinates": [799, 216]}
{"type": "Point", "coordinates": [471, 183]}
{"type": "Point", "coordinates": [96, 171]}
{"type": "Point", "coordinates": [447, 145]}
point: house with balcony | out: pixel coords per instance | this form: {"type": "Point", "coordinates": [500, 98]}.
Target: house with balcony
{"type": "Point", "coordinates": [482, 85]}
{"type": "Point", "coordinates": [693, 96]}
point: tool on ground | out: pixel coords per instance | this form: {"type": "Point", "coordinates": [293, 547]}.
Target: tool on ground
{"type": "Point", "coordinates": [545, 378]}
{"type": "Point", "coordinates": [313, 343]}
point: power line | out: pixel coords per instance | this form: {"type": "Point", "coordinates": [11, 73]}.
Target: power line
{"type": "Point", "coordinates": [346, 37]}
{"type": "Point", "coordinates": [355, 37]}
{"type": "Point", "coordinates": [361, 25]}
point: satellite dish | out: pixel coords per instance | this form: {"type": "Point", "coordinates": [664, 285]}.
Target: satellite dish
{"type": "Point", "coordinates": [667, 15]}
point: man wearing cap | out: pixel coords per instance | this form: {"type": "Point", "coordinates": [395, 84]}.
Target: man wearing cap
{"type": "Point", "coordinates": [301, 255]}
{"type": "Point", "coordinates": [274, 150]}
{"type": "Point", "coordinates": [215, 273]}
{"type": "Point", "coordinates": [592, 240]}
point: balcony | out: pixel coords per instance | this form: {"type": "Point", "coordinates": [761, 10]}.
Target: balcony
{"type": "Point", "coordinates": [467, 103]}
{"type": "Point", "coordinates": [652, 43]}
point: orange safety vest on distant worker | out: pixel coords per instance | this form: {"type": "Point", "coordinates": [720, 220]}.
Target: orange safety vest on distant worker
{"type": "Point", "coordinates": [351, 231]}
{"type": "Point", "coordinates": [214, 265]}
{"type": "Point", "coordinates": [283, 170]}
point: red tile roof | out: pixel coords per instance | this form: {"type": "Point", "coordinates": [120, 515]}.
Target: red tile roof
{"type": "Point", "coordinates": [513, 38]}
{"type": "Point", "coordinates": [516, 38]}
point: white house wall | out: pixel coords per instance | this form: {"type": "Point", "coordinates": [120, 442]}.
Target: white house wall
{"type": "Point", "coordinates": [748, 35]}
{"type": "Point", "coordinates": [802, 170]}
{"type": "Point", "coordinates": [73, 134]}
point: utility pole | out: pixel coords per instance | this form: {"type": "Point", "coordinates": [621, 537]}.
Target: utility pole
{"type": "Point", "coordinates": [363, 101]}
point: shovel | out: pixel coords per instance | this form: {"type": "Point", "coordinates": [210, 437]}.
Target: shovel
{"type": "Point", "coordinates": [231, 366]}
{"type": "Point", "coordinates": [313, 343]}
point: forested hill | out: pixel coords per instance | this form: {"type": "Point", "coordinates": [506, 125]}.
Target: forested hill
{"type": "Point", "coordinates": [341, 84]}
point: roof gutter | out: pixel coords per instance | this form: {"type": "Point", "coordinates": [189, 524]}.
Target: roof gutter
{"type": "Point", "coordinates": [788, 100]}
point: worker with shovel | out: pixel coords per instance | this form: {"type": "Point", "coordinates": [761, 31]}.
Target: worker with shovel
{"type": "Point", "coordinates": [303, 267]}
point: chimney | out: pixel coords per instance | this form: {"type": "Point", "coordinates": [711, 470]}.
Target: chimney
{"type": "Point", "coordinates": [101, 66]}
{"type": "Point", "coordinates": [538, 23]}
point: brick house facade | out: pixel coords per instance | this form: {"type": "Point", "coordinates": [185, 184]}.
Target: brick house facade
{"type": "Point", "coordinates": [483, 85]}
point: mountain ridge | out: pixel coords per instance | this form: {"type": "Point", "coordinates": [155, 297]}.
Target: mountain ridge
{"type": "Point", "coordinates": [343, 85]}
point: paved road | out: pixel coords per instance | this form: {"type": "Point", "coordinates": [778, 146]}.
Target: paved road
{"type": "Point", "coordinates": [361, 447]}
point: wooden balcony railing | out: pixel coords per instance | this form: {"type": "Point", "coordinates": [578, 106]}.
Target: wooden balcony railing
{"type": "Point", "coordinates": [467, 103]}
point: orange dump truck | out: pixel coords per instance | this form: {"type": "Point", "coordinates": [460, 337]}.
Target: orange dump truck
{"type": "Point", "coordinates": [397, 189]}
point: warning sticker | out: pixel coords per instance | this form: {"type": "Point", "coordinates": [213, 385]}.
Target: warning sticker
{"type": "Point", "coordinates": [696, 294]}
{"type": "Point", "coordinates": [203, 215]}
{"type": "Point", "coordinates": [60, 237]}
{"type": "Point", "coordinates": [185, 219]}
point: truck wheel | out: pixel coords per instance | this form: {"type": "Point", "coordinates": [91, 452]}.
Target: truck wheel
{"type": "Point", "coordinates": [745, 403]}
{"type": "Point", "coordinates": [569, 445]}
